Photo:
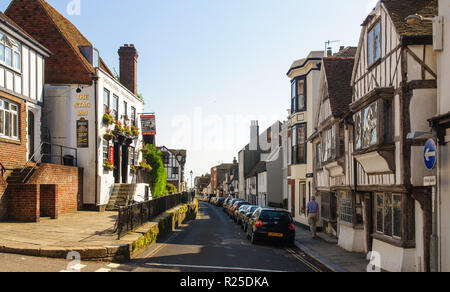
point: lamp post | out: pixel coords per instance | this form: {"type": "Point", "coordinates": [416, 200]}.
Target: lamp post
{"type": "Point", "coordinates": [180, 161]}
{"type": "Point", "coordinates": [192, 173]}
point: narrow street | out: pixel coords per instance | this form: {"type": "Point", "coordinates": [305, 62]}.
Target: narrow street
{"type": "Point", "coordinates": [212, 243]}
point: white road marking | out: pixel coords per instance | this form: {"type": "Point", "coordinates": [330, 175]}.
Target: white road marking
{"type": "Point", "coordinates": [159, 248]}
{"type": "Point", "coordinates": [103, 270]}
{"type": "Point", "coordinates": [215, 268]}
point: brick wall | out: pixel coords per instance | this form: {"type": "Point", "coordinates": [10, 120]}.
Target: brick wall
{"type": "Point", "coordinates": [49, 202]}
{"type": "Point", "coordinates": [69, 182]}
{"type": "Point", "coordinates": [23, 203]}
{"type": "Point", "coordinates": [13, 154]}
{"type": "Point", "coordinates": [3, 202]}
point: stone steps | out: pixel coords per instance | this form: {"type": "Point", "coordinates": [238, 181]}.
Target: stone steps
{"type": "Point", "coordinates": [119, 197]}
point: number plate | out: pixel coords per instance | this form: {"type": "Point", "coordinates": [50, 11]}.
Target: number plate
{"type": "Point", "coordinates": [271, 234]}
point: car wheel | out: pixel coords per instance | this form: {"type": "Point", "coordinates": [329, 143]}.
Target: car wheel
{"type": "Point", "coordinates": [253, 238]}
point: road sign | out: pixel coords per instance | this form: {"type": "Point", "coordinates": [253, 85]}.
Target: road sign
{"type": "Point", "coordinates": [429, 181]}
{"type": "Point", "coordinates": [430, 154]}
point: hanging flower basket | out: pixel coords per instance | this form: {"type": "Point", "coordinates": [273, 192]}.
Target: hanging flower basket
{"type": "Point", "coordinates": [108, 166]}
{"type": "Point", "coordinates": [108, 119]}
{"type": "Point", "coordinates": [108, 136]}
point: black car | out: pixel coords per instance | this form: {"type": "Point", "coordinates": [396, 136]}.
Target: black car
{"type": "Point", "coordinates": [271, 225]}
{"type": "Point", "coordinates": [220, 201]}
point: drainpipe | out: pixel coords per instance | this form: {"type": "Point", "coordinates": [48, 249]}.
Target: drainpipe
{"type": "Point", "coordinates": [95, 78]}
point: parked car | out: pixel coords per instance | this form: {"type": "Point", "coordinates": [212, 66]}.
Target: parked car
{"type": "Point", "coordinates": [225, 204]}
{"type": "Point", "coordinates": [236, 208]}
{"type": "Point", "coordinates": [246, 214]}
{"type": "Point", "coordinates": [211, 197]}
{"type": "Point", "coordinates": [271, 225]}
{"type": "Point", "coordinates": [231, 204]}
{"type": "Point", "coordinates": [219, 202]}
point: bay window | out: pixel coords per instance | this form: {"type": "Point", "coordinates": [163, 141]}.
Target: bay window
{"type": "Point", "coordinates": [9, 120]}
{"type": "Point", "coordinates": [299, 144]}
{"type": "Point", "coordinates": [374, 124]}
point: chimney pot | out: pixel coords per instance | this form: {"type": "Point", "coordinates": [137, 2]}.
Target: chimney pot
{"type": "Point", "coordinates": [341, 48]}
{"type": "Point", "coordinates": [329, 53]}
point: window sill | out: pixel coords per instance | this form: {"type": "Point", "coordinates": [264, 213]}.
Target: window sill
{"type": "Point", "coordinates": [10, 140]}
{"type": "Point", "coordinates": [393, 241]}
{"type": "Point", "coordinates": [11, 68]}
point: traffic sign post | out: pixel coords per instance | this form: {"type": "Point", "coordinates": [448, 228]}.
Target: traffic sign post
{"type": "Point", "coordinates": [430, 159]}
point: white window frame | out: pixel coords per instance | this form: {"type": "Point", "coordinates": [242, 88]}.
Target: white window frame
{"type": "Point", "coordinates": [14, 130]}
{"type": "Point", "coordinates": [7, 42]}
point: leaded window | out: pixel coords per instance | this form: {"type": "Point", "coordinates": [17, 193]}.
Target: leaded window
{"type": "Point", "coordinates": [374, 44]}
{"type": "Point", "coordinates": [389, 214]}
{"type": "Point", "coordinates": [366, 127]}
{"type": "Point", "coordinates": [345, 207]}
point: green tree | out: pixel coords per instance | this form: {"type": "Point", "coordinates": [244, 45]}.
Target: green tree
{"type": "Point", "coordinates": [158, 175]}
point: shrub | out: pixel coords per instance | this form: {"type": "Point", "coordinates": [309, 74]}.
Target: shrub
{"type": "Point", "coordinates": [158, 175]}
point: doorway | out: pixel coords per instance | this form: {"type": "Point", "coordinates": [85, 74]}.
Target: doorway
{"type": "Point", "coordinates": [117, 168]}
{"type": "Point", "coordinates": [124, 164]}
{"type": "Point", "coordinates": [368, 223]}
{"type": "Point", "coordinates": [31, 135]}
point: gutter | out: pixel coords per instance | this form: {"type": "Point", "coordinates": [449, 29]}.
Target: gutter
{"type": "Point", "coordinates": [95, 79]}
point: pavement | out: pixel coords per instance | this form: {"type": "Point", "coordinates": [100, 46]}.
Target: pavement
{"type": "Point", "coordinates": [89, 233]}
{"type": "Point", "coordinates": [325, 250]}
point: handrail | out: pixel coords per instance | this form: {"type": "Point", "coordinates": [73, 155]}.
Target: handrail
{"type": "Point", "coordinates": [3, 169]}
{"type": "Point", "coordinates": [32, 157]}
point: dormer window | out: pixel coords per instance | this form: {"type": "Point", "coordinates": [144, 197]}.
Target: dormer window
{"type": "Point", "coordinates": [10, 53]}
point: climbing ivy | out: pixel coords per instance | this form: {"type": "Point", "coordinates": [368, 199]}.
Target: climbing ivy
{"type": "Point", "coordinates": [158, 175]}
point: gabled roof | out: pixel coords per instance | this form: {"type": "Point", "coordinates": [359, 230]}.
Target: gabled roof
{"type": "Point", "coordinates": [9, 22]}
{"type": "Point", "coordinates": [338, 73]}
{"type": "Point", "coordinates": [49, 27]}
{"type": "Point", "coordinates": [400, 9]}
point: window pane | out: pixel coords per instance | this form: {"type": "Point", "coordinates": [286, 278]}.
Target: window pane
{"type": "Point", "coordinates": [15, 126]}
{"type": "Point", "coordinates": [370, 126]}
{"type": "Point", "coordinates": [397, 215]}
{"type": "Point", "coordinates": [293, 98]}
{"type": "Point", "coordinates": [370, 47]}
{"type": "Point", "coordinates": [115, 110]}
{"type": "Point", "coordinates": [2, 53]}
{"type": "Point", "coordinates": [2, 121]}
{"type": "Point", "coordinates": [301, 95]}
{"type": "Point", "coordinates": [358, 130]}
{"type": "Point", "coordinates": [379, 210]}
{"type": "Point", "coordinates": [377, 40]}
{"type": "Point", "coordinates": [7, 124]}
{"type": "Point", "coordinates": [388, 214]}
{"type": "Point", "coordinates": [8, 53]}
{"type": "Point", "coordinates": [17, 61]}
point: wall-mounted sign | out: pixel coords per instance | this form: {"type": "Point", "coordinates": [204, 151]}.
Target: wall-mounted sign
{"type": "Point", "coordinates": [148, 123]}
{"type": "Point", "coordinates": [82, 133]}
{"type": "Point", "coordinates": [111, 154]}
{"type": "Point", "coordinates": [82, 105]}
{"type": "Point", "coordinates": [430, 154]}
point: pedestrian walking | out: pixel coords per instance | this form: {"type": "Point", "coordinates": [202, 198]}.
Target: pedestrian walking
{"type": "Point", "coordinates": [312, 211]}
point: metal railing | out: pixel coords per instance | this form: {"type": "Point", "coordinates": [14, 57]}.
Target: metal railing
{"type": "Point", "coordinates": [46, 151]}
{"type": "Point", "coordinates": [135, 215]}
{"type": "Point", "coordinates": [3, 169]}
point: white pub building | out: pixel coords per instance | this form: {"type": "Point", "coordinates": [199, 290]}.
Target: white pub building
{"type": "Point", "coordinates": [87, 108]}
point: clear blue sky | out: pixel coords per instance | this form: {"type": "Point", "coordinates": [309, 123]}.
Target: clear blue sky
{"type": "Point", "coordinates": [206, 67]}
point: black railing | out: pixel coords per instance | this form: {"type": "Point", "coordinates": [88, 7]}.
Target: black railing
{"type": "Point", "coordinates": [134, 216]}
{"type": "Point", "coordinates": [3, 169]}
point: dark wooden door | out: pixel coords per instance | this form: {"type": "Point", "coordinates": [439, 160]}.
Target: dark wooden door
{"type": "Point", "coordinates": [368, 222]}
{"type": "Point", "coordinates": [31, 135]}
{"type": "Point", "coordinates": [117, 163]}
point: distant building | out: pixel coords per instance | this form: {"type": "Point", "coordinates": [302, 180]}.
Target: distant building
{"type": "Point", "coordinates": [174, 162]}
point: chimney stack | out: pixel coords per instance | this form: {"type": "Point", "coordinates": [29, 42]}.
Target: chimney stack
{"type": "Point", "coordinates": [254, 135]}
{"type": "Point", "coordinates": [329, 52]}
{"type": "Point", "coordinates": [128, 56]}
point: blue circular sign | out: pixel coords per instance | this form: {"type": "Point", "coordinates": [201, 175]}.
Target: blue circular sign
{"type": "Point", "coordinates": [430, 154]}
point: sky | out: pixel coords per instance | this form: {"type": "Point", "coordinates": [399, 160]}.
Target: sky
{"type": "Point", "coordinates": [209, 67]}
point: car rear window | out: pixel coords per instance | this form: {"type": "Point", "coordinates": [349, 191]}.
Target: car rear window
{"type": "Point", "coordinates": [269, 216]}
{"type": "Point", "coordinates": [252, 209]}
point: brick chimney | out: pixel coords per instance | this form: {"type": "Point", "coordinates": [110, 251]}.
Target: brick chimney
{"type": "Point", "coordinates": [128, 56]}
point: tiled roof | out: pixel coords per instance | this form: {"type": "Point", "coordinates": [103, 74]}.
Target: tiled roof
{"type": "Point", "coordinates": [400, 9]}
{"type": "Point", "coordinates": [338, 72]}
{"type": "Point", "coordinates": [347, 52]}
{"type": "Point", "coordinates": [9, 22]}
{"type": "Point", "coordinates": [67, 64]}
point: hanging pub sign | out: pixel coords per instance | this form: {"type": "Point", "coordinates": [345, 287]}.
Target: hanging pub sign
{"type": "Point", "coordinates": [82, 133]}
{"type": "Point", "coordinates": [148, 123]}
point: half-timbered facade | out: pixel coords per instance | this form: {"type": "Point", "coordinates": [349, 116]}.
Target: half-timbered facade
{"type": "Point", "coordinates": [174, 165]}
{"type": "Point", "coordinates": [330, 149]}
{"type": "Point", "coordinates": [394, 91]}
